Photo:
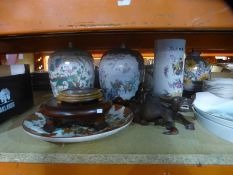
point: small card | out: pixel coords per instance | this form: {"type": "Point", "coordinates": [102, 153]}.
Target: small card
{"type": "Point", "coordinates": [99, 111]}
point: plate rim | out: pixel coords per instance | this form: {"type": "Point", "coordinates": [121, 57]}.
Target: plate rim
{"type": "Point", "coordinates": [77, 138]}
{"type": "Point", "coordinates": [215, 116]}
{"type": "Point", "coordinates": [202, 121]}
{"type": "Point", "coordinates": [31, 132]}
{"type": "Point", "coordinates": [195, 111]}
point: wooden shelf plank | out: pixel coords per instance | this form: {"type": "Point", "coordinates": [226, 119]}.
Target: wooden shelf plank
{"type": "Point", "coordinates": [30, 17]}
{"type": "Point", "coordinates": [99, 42]}
{"type": "Point", "coordinates": [79, 169]}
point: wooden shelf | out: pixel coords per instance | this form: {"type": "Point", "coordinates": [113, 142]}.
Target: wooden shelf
{"type": "Point", "coordinates": [33, 17]}
{"type": "Point", "coordinates": [82, 169]}
{"type": "Point", "coordinates": [34, 26]}
{"type": "Point", "coordinates": [99, 25]}
{"type": "Point", "coordinates": [101, 41]}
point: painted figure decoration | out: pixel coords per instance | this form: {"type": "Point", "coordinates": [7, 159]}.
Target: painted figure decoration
{"type": "Point", "coordinates": [169, 67]}
{"type": "Point", "coordinates": [195, 71]}
{"type": "Point", "coordinates": [70, 68]}
{"type": "Point", "coordinates": [121, 71]}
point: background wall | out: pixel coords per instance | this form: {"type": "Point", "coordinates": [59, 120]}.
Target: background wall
{"type": "Point", "coordinates": [28, 58]}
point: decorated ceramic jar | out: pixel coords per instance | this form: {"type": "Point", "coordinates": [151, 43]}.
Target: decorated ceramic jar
{"type": "Point", "coordinates": [195, 71]}
{"type": "Point", "coordinates": [121, 71]}
{"type": "Point", "coordinates": [70, 68]}
{"type": "Point", "coordinates": [169, 67]}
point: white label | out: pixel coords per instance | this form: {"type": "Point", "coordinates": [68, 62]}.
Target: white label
{"type": "Point", "coordinates": [123, 2]}
{"type": "Point", "coordinates": [99, 111]}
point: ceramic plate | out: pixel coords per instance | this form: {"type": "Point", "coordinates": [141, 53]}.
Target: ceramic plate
{"type": "Point", "coordinates": [221, 87]}
{"type": "Point", "coordinates": [118, 118]}
{"type": "Point", "coordinates": [210, 103]}
{"type": "Point", "coordinates": [206, 101]}
{"type": "Point", "coordinates": [214, 118]}
{"type": "Point", "coordinates": [219, 130]}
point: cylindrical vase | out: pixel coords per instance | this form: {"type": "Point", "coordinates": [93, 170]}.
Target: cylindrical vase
{"type": "Point", "coordinates": [169, 67]}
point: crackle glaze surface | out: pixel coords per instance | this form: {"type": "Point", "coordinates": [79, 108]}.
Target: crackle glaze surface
{"type": "Point", "coordinates": [70, 68]}
{"type": "Point", "coordinates": [120, 72]}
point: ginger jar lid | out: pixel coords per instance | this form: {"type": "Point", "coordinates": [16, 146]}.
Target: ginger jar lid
{"type": "Point", "coordinates": [71, 51]}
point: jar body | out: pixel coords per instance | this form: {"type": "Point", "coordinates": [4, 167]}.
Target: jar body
{"type": "Point", "coordinates": [70, 68]}
{"type": "Point", "coordinates": [120, 73]}
{"type": "Point", "coordinates": [196, 70]}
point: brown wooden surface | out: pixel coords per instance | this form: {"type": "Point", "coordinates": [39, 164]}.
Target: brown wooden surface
{"type": "Point", "coordinates": [101, 41]}
{"type": "Point", "coordinates": [34, 26]}
{"type": "Point", "coordinates": [43, 16]}
{"type": "Point", "coordinates": [77, 169]}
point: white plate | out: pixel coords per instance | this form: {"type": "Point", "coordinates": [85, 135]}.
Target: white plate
{"type": "Point", "coordinates": [118, 118]}
{"type": "Point", "coordinates": [206, 101]}
{"type": "Point", "coordinates": [219, 81]}
{"type": "Point", "coordinates": [210, 103]}
{"type": "Point", "coordinates": [221, 87]}
{"type": "Point", "coordinates": [214, 118]}
{"type": "Point", "coordinates": [217, 129]}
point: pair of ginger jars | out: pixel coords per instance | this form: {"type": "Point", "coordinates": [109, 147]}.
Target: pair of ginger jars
{"type": "Point", "coordinates": [120, 71]}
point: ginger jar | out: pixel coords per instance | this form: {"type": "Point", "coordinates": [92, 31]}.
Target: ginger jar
{"type": "Point", "coordinates": [195, 71]}
{"type": "Point", "coordinates": [121, 71]}
{"type": "Point", "coordinates": [70, 68]}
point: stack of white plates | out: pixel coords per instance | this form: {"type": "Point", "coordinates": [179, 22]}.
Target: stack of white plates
{"type": "Point", "coordinates": [215, 114]}
{"type": "Point", "coordinates": [229, 66]}
{"type": "Point", "coordinates": [221, 87]}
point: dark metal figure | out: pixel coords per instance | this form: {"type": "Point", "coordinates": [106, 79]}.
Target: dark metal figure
{"type": "Point", "coordinates": [160, 110]}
